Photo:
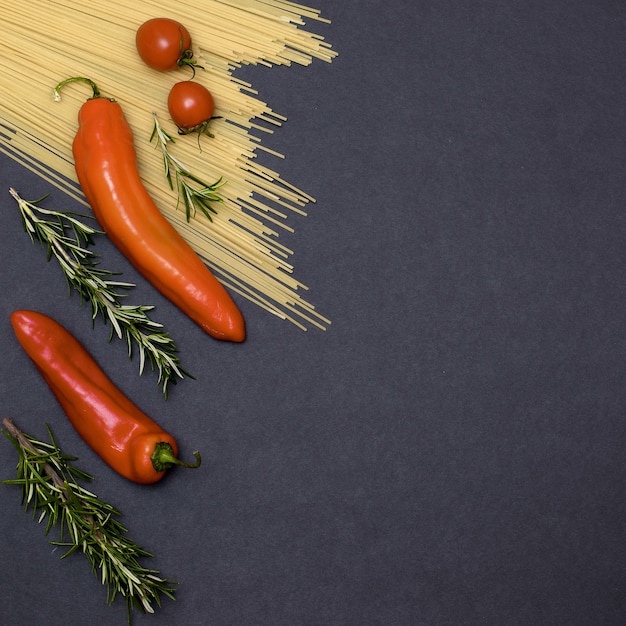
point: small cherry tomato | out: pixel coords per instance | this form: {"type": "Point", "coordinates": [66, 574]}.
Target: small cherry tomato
{"type": "Point", "coordinates": [164, 44]}
{"type": "Point", "coordinates": [191, 106]}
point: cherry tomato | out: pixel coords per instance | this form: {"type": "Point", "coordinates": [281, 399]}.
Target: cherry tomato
{"type": "Point", "coordinates": [191, 106]}
{"type": "Point", "coordinates": [164, 44]}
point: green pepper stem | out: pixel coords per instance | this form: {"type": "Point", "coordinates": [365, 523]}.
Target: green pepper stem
{"type": "Point", "coordinates": [163, 458]}
{"type": "Point", "coordinates": [56, 94]}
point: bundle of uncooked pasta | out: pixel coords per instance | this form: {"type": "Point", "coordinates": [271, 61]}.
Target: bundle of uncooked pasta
{"type": "Point", "coordinates": [50, 40]}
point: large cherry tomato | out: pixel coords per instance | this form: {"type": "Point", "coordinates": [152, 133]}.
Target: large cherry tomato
{"type": "Point", "coordinates": [164, 44]}
{"type": "Point", "coordinates": [191, 106]}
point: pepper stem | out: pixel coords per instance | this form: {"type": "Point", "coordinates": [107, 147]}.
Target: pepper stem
{"type": "Point", "coordinates": [56, 93]}
{"type": "Point", "coordinates": [163, 458]}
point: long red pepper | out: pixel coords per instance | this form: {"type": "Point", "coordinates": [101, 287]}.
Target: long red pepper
{"type": "Point", "coordinates": [115, 428]}
{"type": "Point", "coordinates": [106, 166]}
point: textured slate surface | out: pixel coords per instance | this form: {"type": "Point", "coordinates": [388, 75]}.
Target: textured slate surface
{"type": "Point", "coordinates": [451, 450]}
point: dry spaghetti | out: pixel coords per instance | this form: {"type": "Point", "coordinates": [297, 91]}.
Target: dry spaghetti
{"type": "Point", "coordinates": [62, 39]}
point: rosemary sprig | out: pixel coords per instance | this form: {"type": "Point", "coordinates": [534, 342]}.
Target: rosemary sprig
{"type": "Point", "coordinates": [86, 523]}
{"type": "Point", "coordinates": [66, 239]}
{"type": "Point", "coordinates": [194, 192]}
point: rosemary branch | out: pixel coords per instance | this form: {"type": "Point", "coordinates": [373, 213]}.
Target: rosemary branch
{"type": "Point", "coordinates": [194, 192]}
{"type": "Point", "coordinates": [66, 238]}
{"type": "Point", "coordinates": [86, 523]}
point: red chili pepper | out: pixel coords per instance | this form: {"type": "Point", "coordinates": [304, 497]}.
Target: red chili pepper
{"type": "Point", "coordinates": [115, 428]}
{"type": "Point", "coordinates": [106, 165]}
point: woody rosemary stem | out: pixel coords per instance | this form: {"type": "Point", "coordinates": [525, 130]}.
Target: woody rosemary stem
{"type": "Point", "coordinates": [25, 444]}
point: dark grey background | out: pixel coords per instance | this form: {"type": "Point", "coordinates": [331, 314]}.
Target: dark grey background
{"type": "Point", "coordinates": [451, 450]}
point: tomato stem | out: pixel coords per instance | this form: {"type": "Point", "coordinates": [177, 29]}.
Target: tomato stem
{"type": "Point", "coordinates": [189, 61]}
{"type": "Point", "coordinates": [57, 90]}
{"type": "Point", "coordinates": [163, 458]}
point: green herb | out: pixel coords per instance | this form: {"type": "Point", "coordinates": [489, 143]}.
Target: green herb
{"type": "Point", "coordinates": [192, 191]}
{"type": "Point", "coordinates": [66, 239]}
{"type": "Point", "coordinates": [86, 523]}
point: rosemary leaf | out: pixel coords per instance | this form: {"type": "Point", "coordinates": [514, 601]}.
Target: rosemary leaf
{"type": "Point", "coordinates": [192, 191]}
{"type": "Point", "coordinates": [66, 238]}
{"type": "Point", "coordinates": [50, 490]}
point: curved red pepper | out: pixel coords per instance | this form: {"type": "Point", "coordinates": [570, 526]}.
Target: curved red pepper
{"type": "Point", "coordinates": [115, 428]}
{"type": "Point", "coordinates": [106, 166]}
